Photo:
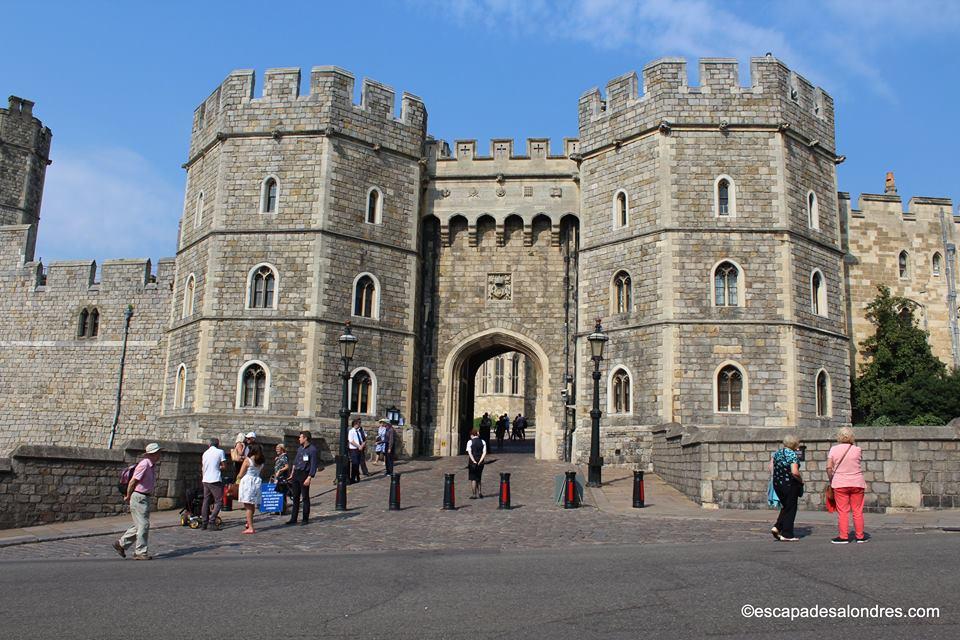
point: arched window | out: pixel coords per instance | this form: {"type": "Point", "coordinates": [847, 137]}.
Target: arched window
{"type": "Point", "coordinates": [263, 287]}
{"type": "Point", "coordinates": [365, 299]}
{"type": "Point", "coordinates": [198, 213]}
{"type": "Point", "coordinates": [726, 285]}
{"type": "Point", "coordinates": [724, 197]}
{"type": "Point", "coordinates": [621, 209]}
{"type": "Point", "coordinates": [823, 394]}
{"type": "Point", "coordinates": [902, 264]}
{"type": "Point", "coordinates": [374, 206]}
{"type": "Point", "coordinates": [622, 293]}
{"type": "Point", "coordinates": [620, 392]}
{"type": "Point", "coordinates": [730, 389]}
{"type": "Point", "coordinates": [498, 374]}
{"type": "Point", "coordinates": [818, 293]}
{"type": "Point", "coordinates": [485, 373]}
{"type": "Point", "coordinates": [253, 386]}
{"type": "Point", "coordinates": [813, 211]}
{"type": "Point", "coordinates": [515, 374]}
{"type": "Point", "coordinates": [180, 389]}
{"type": "Point", "coordinates": [94, 325]}
{"type": "Point", "coordinates": [83, 324]}
{"type": "Point", "coordinates": [188, 291]}
{"type": "Point", "coordinates": [268, 195]}
{"type": "Point", "coordinates": [89, 323]}
{"type": "Point", "coordinates": [362, 392]}
{"type": "Point", "coordinates": [937, 264]}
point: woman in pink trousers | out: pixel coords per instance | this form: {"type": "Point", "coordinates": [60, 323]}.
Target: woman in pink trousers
{"type": "Point", "coordinates": [846, 478]}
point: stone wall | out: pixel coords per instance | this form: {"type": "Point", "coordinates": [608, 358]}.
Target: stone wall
{"type": "Point", "coordinates": [904, 467]}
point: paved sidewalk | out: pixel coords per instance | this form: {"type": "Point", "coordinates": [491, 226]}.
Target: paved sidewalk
{"type": "Point", "coordinates": [663, 501]}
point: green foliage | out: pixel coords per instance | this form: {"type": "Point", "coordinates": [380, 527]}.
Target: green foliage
{"type": "Point", "coordinates": [882, 421]}
{"type": "Point", "coordinates": [900, 380]}
{"type": "Point", "coordinates": [928, 419]}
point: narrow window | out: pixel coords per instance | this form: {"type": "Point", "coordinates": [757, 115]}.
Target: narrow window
{"type": "Point", "coordinates": [188, 292]}
{"type": "Point", "coordinates": [84, 323]}
{"type": "Point", "coordinates": [621, 209]}
{"type": "Point", "coordinates": [515, 375]}
{"type": "Point", "coordinates": [262, 288]}
{"type": "Point", "coordinates": [483, 377]}
{"type": "Point", "coordinates": [723, 198]}
{"type": "Point", "coordinates": [813, 211]}
{"type": "Point", "coordinates": [622, 294]}
{"type": "Point", "coordinates": [902, 264]}
{"type": "Point", "coordinates": [817, 294]}
{"type": "Point", "coordinates": [823, 394]}
{"type": "Point", "coordinates": [937, 263]}
{"type": "Point", "coordinates": [374, 203]}
{"type": "Point", "coordinates": [254, 386]}
{"type": "Point", "coordinates": [361, 393]}
{"type": "Point", "coordinates": [268, 200]}
{"type": "Point", "coordinates": [729, 389]}
{"type": "Point", "coordinates": [198, 214]}
{"type": "Point", "coordinates": [179, 396]}
{"type": "Point", "coordinates": [621, 392]}
{"type": "Point", "coordinates": [498, 375]}
{"type": "Point", "coordinates": [725, 285]}
{"type": "Point", "coordinates": [93, 327]}
{"type": "Point", "coordinates": [365, 297]}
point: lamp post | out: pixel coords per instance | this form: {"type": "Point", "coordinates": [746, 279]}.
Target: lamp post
{"type": "Point", "coordinates": [348, 344]}
{"type": "Point", "coordinates": [597, 340]}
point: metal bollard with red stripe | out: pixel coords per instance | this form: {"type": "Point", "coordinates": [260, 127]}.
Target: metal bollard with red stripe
{"type": "Point", "coordinates": [449, 496]}
{"type": "Point", "coordinates": [504, 491]}
{"type": "Point", "coordinates": [570, 498]}
{"type": "Point", "coordinates": [394, 502]}
{"type": "Point", "coordinates": [638, 496]}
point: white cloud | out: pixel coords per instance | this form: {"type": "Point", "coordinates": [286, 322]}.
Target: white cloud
{"type": "Point", "coordinates": [107, 203]}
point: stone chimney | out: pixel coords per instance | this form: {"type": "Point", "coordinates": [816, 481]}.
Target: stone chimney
{"type": "Point", "coordinates": [891, 185]}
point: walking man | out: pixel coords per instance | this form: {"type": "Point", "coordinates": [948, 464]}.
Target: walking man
{"type": "Point", "coordinates": [485, 424]}
{"type": "Point", "coordinates": [501, 431]}
{"type": "Point", "coordinates": [355, 446]}
{"type": "Point", "coordinates": [139, 489]}
{"type": "Point", "coordinates": [212, 463]}
{"type": "Point", "coordinates": [389, 439]}
{"type": "Point", "coordinates": [363, 450]}
{"type": "Point", "coordinates": [303, 470]}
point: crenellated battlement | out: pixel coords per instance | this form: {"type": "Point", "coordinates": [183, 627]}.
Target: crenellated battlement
{"type": "Point", "coordinates": [19, 126]}
{"type": "Point", "coordinates": [661, 97]}
{"type": "Point", "coordinates": [118, 275]}
{"type": "Point", "coordinates": [328, 108]}
{"type": "Point", "coordinates": [876, 205]}
{"type": "Point", "coordinates": [500, 149]}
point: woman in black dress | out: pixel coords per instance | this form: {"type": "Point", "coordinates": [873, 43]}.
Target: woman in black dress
{"type": "Point", "coordinates": [477, 453]}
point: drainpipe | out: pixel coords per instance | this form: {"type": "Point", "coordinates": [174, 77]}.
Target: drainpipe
{"type": "Point", "coordinates": [123, 360]}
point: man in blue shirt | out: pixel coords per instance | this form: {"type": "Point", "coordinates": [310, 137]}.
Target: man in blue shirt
{"type": "Point", "coordinates": [302, 471]}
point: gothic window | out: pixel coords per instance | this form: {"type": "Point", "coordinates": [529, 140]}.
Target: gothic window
{"type": "Point", "coordinates": [621, 209]}
{"type": "Point", "coordinates": [813, 211]}
{"type": "Point", "coordinates": [515, 374]}
{"type": "Point", "coordinates": [365, 300]}
{"type": "Point", "coordinates": [362, 392]}
{"type": "Point", "coordinates": [188, 291]}
{"type": "Point", "coordinates": [902, 265]}
{"type": "Point", "coordinates": [823, 394]}
{"type": "Point", "coordinates": [180, 389]}
{"type": "Point", "coordinates": [724, 197]}
{"type": "Point", "coordinates": [374, 206]}
{"type": "Point", "coordinates": [89, 323]}
{"type": "Point", "coordinates": [729, 389]}
{"type": "Point", "coordinates": [253, 386]}
{"type": "Point", "coordinates": [622, 292]}
{"type": "Point", "coordinates": [818, 293]}
{"type": "Point", "coordinates": [726, 278]}
{"type": "Point", "coordinates": [937, 264]}
{"type": "Point", "coordinates": [485, 371]}
{"type": "Point", "coordinates": [262, 285]}
{"type": "Point", "coordinates": [269, 195]}
{"type": "Point", "coordinates": [498, 375]}
{"type": "Point", "coordinates": [198, 214]}
{"type": "Point", "coordinates": [620, 392]}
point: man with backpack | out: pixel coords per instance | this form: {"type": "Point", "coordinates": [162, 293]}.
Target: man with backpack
{"type": "Point", "coordinates": [140, 482]}
{"type": "Point", "coordinates": [389, 441]}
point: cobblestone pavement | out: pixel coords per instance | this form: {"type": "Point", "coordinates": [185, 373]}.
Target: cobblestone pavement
{"type": "Point", "coordinates": [536, 521]}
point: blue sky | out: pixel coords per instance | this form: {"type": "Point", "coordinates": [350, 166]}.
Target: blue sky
{"type": "Point", "coordinates": [118, 82]}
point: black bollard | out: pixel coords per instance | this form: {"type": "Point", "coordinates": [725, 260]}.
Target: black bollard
{"type": "Point", "coordinates": [449, 497]}
{"type": "Point", "coordinates": [341, 497]}
{"type": "Point", "coordinates": [637, 489]}
{"type": "Point", "coordinates": [504, 491]}
{"type": "Point", "coordinates": [570, 500]}
{"type": "Point", "coordinates": [395, 492]}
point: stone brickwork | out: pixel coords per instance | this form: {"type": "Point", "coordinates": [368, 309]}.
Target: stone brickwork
{"type": "Point", "coordinates": [24, 156]}
{"type": "Point", "coordinates": [904, 467]}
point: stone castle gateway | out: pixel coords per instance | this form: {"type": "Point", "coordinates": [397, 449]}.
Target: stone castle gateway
{"type": "Point", "coordinates": [702, 224]}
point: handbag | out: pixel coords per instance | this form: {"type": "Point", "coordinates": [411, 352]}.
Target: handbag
{"type": "Point", "coordinates": [828, 494]}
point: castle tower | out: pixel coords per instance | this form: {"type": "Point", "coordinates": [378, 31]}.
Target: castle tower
{"type": "Point", "coordinates": [710, 247]}
{"type": "Point", "coordinates": [24, 156]}
{"type": "Point", "coordinates": [300, 214]}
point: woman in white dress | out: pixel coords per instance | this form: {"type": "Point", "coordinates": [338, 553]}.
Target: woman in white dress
{"type": "Point", "coordinates": [249, 492]}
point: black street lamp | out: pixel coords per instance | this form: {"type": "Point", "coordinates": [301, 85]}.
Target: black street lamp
{"type": "Point", "coordinates": [597, 339]}
{"type": "Point", "coordinates": [348, 344]}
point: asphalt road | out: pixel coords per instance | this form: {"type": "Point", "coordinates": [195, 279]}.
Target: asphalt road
{"type": "Point", "coordinates": [602, 591]}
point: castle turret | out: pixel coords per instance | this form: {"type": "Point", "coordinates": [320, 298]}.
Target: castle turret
{"type": "Point", "coordinates": [24, 156]}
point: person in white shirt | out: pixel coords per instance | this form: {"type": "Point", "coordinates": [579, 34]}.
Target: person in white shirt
{"type": "Point", "coordinates": [355, 444]}
{"type": "Point", "coordinates": [477, 452]}
{"type": "Point", "coordinates": [213, 463]}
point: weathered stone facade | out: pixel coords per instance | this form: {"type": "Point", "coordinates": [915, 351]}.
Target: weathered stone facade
{"type": "Point", "coordinates": [443, 257]}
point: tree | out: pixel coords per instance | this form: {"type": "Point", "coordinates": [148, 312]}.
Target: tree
{"type": "Point", "coordinates": [901, 381]}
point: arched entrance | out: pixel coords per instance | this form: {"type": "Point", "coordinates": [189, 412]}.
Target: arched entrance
{"type": "Point", "coordinates": [459, 374]}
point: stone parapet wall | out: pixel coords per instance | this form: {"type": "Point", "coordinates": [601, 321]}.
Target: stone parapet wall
{"type": "Point", "coordinates": [904, 467]}
{"type": "Point", "coordinates": [619, 445]}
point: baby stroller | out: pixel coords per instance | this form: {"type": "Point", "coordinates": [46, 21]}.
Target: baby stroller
{"type": "Point", "coordinates": [193, 505]}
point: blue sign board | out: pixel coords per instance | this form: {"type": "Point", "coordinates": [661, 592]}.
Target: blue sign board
{"type": "Point", "coordinates": [270, 500]}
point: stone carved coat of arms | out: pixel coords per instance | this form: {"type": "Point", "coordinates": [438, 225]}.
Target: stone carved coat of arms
{"type": "Point", "coordinates": [499, 286]}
